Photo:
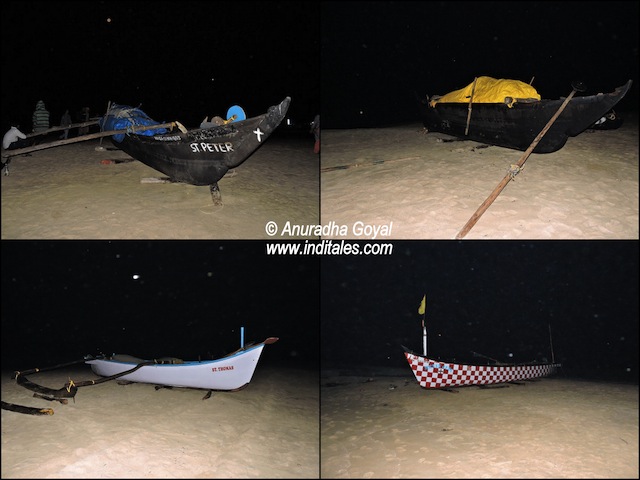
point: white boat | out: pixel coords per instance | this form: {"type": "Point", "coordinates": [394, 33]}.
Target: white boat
{"type": "Point", "coordinates": [231, 372]}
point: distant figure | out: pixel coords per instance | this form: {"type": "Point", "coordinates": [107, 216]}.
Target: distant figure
{"type": "Point", "coordinates": [65, 121]}
{"type": "Point", "coordinates": [315, 129]}
{"type": "Point", "coordinates": [40, 118]}
{"type": "Point", "coordinates": [84, 117]}
{"type": "Point", "coordinates": [14, 138]}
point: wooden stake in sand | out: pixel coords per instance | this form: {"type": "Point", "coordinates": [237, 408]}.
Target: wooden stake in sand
{"type": "Point", "coordinates": [473, 91]}
{"type": "Point", "coordinates": [515, 169]}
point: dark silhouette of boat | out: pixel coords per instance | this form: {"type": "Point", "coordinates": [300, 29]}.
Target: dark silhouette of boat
{"type": "Point", "coordinates": [515, 122]}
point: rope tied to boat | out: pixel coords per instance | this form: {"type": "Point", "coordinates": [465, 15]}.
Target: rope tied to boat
{"type": "Point", "coordinates": [514, 170]}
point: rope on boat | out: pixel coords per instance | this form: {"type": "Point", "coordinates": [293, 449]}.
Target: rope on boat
{"type": "Point", "coordinates": [514, 170]}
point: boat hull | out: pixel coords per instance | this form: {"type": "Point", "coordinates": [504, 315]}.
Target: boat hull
{"type": "Point", "coordinates": [433, 374]}
{"type": "Point", "coordinates": [227, 373]}
{"type": "Point", "coordinates": [203, 156]}
{"type": "Point", "coordinates": [517, 126]}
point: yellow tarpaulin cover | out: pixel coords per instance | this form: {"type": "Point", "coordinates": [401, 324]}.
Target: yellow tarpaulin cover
{"type": "Point", "coordinates": [490, 90]}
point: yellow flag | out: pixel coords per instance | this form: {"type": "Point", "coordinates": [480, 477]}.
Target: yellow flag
{"type": "Point", "coordinates": [423, 305]}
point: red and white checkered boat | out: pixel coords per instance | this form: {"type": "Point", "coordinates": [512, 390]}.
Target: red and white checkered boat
{"type": "Point", "coordinates": [434, 374]}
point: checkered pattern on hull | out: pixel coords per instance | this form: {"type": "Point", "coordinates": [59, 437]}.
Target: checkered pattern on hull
{"type": "Point", "coordinates": [432, 374]}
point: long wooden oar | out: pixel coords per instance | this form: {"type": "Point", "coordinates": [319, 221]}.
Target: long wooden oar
{"type": "Point", "coordinates": [577, 87]}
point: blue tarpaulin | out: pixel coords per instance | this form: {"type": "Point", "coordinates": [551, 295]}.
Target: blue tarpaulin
{"type": "Point", "coordinates": [123, 117]}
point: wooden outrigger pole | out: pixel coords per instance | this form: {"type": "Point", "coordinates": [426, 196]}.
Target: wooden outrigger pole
{"type": "Point", "coordinates": [61, 395]}
{"type": "Point", "coordinates": [91, 136]}
{"type": "Point", "coordinates": [88, 123]}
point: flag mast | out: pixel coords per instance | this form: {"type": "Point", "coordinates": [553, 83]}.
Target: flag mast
{"type": "Point", "coordinates": [421, 310]}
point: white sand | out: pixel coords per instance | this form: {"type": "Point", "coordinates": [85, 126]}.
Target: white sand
{"type": "Point", "coordinates": [267, 430]}
{"type": "Point", "coordinates": [553, 428]}
{"type": "Point", "coordinates": [430, 189]}
{"type": "Point", "coordinates": [67, 193]}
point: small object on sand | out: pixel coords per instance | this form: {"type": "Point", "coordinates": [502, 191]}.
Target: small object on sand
{"type": "Point", "coordinates": [208, 395]}
{"type": "Point", "coordinates": [109, 161]}
{"type": "Point", "coordinates": [216, 196]}
{"type": "Point", "coordinates": [155, 180]}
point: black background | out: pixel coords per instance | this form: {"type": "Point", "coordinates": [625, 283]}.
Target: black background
{"type": "Point", "coordinates": [62, 300]}
{"type": "Point", "coordinates": [495, 298]}
{"type": "Point", "coordinates": [179, 60]}
{"type": "Point", "coordinates": [377, 56]}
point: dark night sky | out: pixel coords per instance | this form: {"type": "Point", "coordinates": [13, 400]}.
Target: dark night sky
{"type": "Point", "coordinates": [376, 56]}
{"type": "Point", "coordinates": [63, 300]}
{"type": "Point", "coordinates": [494, 298]}
{"type": "Point", "coordinates": [180, 60]}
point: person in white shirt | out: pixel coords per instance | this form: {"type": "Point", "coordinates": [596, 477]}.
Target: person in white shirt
{"type": "Point", "coordinates": [14, 138]}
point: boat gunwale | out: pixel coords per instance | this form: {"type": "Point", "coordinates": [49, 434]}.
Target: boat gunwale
{"type": "Point", "coordinates": [444, 365]}
{"type": "Point", "coordinates": [440, 362]}
{"type": "Point", "coordinates": [192, 363]}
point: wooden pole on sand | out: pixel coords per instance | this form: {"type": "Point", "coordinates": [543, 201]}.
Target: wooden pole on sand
{"type": "Point", "coordinates": [577, 87]}
{"type": "Point", "coordinates": [473, 91]}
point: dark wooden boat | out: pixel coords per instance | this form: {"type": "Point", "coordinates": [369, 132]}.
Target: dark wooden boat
{"type": "Point", "coordinates": [200, 156]}
{"type": "Point", "coordinates": [515, 124]}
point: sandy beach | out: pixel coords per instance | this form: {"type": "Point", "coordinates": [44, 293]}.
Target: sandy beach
{"type": "Point", "coordinates": [428, 188]}
{"type": "Point", "coordinates": [389, 427]}
{"type": "Point", "coordinates": [78, 192]}
{"type": "Point", "coordinates": [267, 430]}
